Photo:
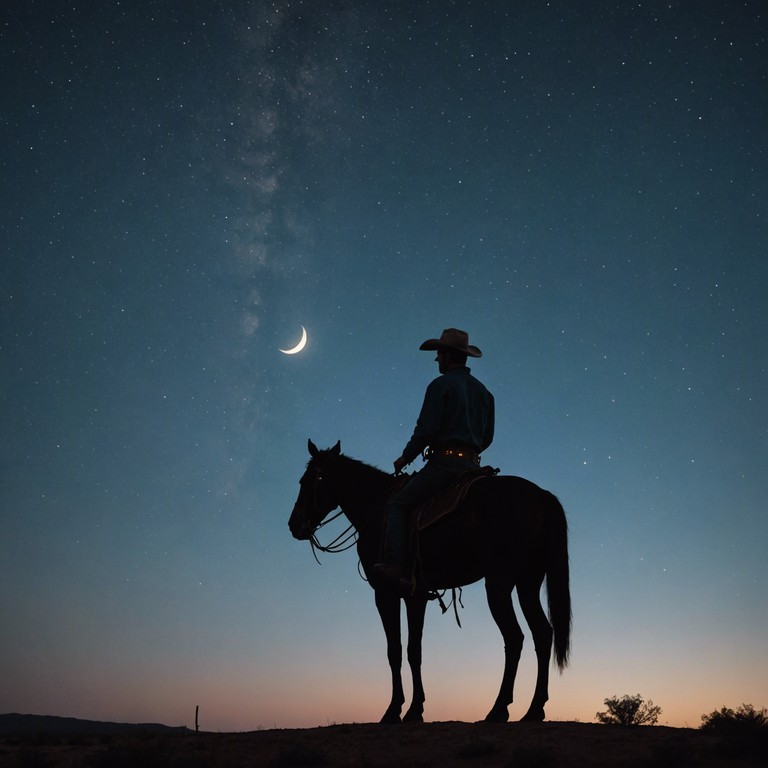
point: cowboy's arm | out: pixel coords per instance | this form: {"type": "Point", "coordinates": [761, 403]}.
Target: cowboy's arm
{"type": "Point", "coordinates": [489, 424]}
{"type": "Point", "coordinates": [399, 463]}
{"type": "Point", "coordinates": [427, 425]}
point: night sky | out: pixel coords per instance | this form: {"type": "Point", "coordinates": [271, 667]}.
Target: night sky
{"type": "Point", "coordinates": [580, 186]}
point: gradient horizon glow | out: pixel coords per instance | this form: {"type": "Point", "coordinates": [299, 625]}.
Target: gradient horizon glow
{"type": "Point", "coordinates": [581, 187]}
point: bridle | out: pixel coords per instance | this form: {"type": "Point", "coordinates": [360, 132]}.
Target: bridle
{"type": "Point", "coordinates": [345, 540]}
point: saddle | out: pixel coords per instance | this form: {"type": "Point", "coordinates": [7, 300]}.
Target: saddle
{"type": "Point", "coordinates": [429, 513]}
{"type": "Point", "coordinates": [446, 501]}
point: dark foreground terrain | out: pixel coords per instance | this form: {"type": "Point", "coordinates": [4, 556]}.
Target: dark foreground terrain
{"type": "Point", "coordinates": [443, 745]}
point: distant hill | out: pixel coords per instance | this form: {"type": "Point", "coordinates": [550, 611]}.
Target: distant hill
{"type": "Point", "coordinates": [24, 725]}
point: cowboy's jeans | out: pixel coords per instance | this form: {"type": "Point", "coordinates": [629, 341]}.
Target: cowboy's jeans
{"type": "Point", "coordinates": [437, 474]}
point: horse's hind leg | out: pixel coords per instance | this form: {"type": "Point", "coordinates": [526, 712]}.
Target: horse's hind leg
{"type": "Point", "coordinates": [503, 612]}
{"type": "Point", "coordinates": [388, 604]}
{"type": "Point", "coordinates": [541, 630]}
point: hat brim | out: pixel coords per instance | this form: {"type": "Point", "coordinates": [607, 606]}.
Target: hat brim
{"type": "Point", "coordinates": [430, 345]}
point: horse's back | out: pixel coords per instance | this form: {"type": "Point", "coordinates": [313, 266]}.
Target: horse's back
{"type": "Point", "coordinates": [501, 524]}
{"type": "Point", "coordinates": [505, 494]}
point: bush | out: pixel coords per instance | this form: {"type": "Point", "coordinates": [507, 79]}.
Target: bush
{"type": "Point", "coordinates": [746, 719]}
{"type": "Point", "coordinates": [742, 733]}
{"type": "Point", "coordinates": [629, 710]}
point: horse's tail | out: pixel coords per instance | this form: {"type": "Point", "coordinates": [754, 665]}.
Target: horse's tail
{"type": "Point", "coordinates": [558, 588]}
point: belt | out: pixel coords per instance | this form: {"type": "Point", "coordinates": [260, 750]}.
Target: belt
{"type": "Point", "coordinates": [456, 452]}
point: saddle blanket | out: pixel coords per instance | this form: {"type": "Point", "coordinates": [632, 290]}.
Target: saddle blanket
{"type": "Point", "coordinates": [431, 511]}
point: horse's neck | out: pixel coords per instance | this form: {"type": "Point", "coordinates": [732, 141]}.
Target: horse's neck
{"type": "Point", "coordinates": [361, 488]}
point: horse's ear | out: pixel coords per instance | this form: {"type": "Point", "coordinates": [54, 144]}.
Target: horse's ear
{"type": "Point", "coordinates": [312, 449]}
{"type": "Point", "coordinates": [336, 450]}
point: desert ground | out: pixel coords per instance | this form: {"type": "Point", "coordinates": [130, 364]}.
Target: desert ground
{"type": "Point", "coordinates": [443, 745]}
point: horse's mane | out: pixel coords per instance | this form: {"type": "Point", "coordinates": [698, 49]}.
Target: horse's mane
{"type": "Point", "coordinates": [364, 469]}
{"type": "Point", "coordinates": [359, 470]}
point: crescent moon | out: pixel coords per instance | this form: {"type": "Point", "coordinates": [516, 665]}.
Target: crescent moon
{"type": "Point", "coordinates": [303, 343]}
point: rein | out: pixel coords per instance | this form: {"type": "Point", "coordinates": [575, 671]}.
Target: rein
{"type": "Point", "coordinates": [344, 541]}
{"type": "Point", "coordinates": [348, 537]}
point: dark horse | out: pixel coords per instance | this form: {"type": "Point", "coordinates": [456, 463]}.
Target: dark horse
{"type": "Point", "coordinates": [507, 530]}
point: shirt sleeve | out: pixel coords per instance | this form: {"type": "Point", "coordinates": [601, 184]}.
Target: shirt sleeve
{"type": "Point", "coordinates": [428, 423]}
{"type": "Point", "coordinates": [489, 424]}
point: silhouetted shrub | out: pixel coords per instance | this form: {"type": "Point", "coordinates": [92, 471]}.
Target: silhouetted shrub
{"type": "Point", "coordinates": [743, 731]}
{"type": "Point", "coordinates": [629, 710]}
{"type": "Point", "coordinates": [746, 719]}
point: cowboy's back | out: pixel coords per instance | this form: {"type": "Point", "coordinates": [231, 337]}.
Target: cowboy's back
{"type": "Point", "coordinates": [458, 410]}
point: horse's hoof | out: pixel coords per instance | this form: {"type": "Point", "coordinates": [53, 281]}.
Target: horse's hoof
{"type": "Point", "coordinates": [497, 715]}
{"type": "Point", "coordinates": [390, 718]}
{"type": "Point", "coordinates": [533, 715]}
{"type": "Point", "coordinates": [413, 717]}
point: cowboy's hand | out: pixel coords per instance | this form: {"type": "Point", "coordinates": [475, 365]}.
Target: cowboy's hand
{"type": "Point", "coordinates": [399, 463]}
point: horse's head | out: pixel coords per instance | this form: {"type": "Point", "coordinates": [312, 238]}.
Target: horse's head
{"type": "Point", "coordinates": [316, 499]}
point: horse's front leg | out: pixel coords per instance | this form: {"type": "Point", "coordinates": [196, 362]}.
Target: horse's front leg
{"type": "Point", "coordinates": [415, 608]}
{"type": "Point", "coordinates": [388, 604]}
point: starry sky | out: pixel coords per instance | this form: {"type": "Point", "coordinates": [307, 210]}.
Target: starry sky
{"type": "Point", "coordinates": [580, 186]}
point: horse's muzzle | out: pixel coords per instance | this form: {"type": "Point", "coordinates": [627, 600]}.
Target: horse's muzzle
{"type": "Point", "coordinates": [299, 527]}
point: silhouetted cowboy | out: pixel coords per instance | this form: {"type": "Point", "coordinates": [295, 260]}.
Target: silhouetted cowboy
{"type": "Point", "coordinates": [455, 425]}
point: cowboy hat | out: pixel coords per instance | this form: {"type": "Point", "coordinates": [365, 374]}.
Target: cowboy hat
{"type": "Point", "coordinates": [453, 338]}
